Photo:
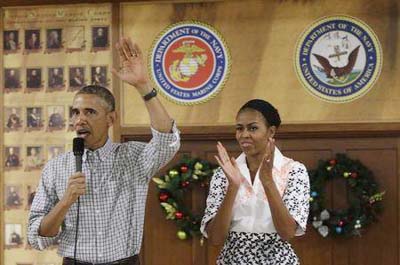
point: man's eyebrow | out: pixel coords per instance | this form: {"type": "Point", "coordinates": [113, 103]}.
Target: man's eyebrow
{"type": "Point", "coordinates": [85, 109]}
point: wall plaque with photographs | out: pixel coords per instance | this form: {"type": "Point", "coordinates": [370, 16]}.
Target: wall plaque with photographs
{"type": "Point", "coordinates": [54, 151]}
{"type": "Point", "coordinates": [55, 79]}
{"type": "Point", "coordinates": [100, 38]}
{"type": "Point", "coordinates": [12, 157]}
{"type": "Point", "coordinates": [13, 120]}
{"type": "Point", "coordinates": [34, 118]}
{"type": "Point", "coordinates": [53, 40]}
{"type": "Point", "coordinates": [34, 158]}
{"type": "Point", "coordinates": [56, 120]}
{"type": "Point", "coordinates": [30, 195]}
{"type": "Point", "coordinates": [32, 40]}
{"type": "Point", "coordinates": [12, 80]}
{"type": "Point", "coordinates": [99, 75]}
{"type": "Point", "coordinates": [75, 38]}
{"type": "Point", "coordinates": [13, 236]}
{"type": "Point", "coordinates": [40, 78]}
{"type": "Point", "coordinates": [76, 78]}
{"type": "Point", "coordinates": [11, 41]}
{"type": "Point", "coordinates": [13, 197]}
{"type": "Point", "coordinates": [34, 79]}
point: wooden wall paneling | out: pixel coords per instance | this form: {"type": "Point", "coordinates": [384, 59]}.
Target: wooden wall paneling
{"type": "Point", "coordinates": [380, 154]}
{"type": "Point", "coordinates": [161, 246]}
{"type": "Point", "coordinates": [398, 199]}
{"type": "Point", "coordinates": [381, 158]}
{"type": "Point", "coordinates": [309, 152]}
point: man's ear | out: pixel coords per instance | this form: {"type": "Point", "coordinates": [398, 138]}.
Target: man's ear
{"type": "Point", "coordinates": [111, 118]}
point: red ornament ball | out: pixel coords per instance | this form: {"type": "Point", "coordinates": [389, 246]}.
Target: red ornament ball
{"type": "Point", "coordinates": [184, 184]}
{"type": "Point", "coordinates": [354, 175]}
{"type": "Point", "coordinates": [341, 223]}
{"type": "Point", "coordinates": [332, 162]}
{"type": "Point", "coordinates": [163, 197]}
{"type": "Point", "coordinates": [178, 215]}
{"type": "Point", "coordinates": [184, 169]}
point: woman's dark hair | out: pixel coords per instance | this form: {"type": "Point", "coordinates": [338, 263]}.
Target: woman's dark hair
{"type": "Point", "coordinates": [269, 112]}
{"type": "Point", "coordinates": [101, 92]}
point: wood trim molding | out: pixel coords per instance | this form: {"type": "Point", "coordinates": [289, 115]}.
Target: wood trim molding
{"type": "Point", "coordinates": [10, 3]}
{"type": "Point", "coordinates": [287, 131]}
{"type": "Point", "coordinates": [2, 225]}
{"type": "Point", "coordinates": [116, 83]}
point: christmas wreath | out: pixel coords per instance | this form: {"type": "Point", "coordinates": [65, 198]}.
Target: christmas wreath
{"type": "Point", "coordinates": [363, 197]}
{"type": "Point", "coordinates": [171, 188]}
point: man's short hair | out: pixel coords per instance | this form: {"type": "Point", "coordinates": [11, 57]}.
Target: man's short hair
{"type": "Point", "coordinates": [101, 92]}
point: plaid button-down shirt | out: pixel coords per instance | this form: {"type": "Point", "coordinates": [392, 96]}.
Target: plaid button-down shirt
{"type": "Point", "coordinates": [112, 210]}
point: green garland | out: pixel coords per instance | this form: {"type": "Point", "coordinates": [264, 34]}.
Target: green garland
{"type": "Point", "coordinates": [364, 198]}
{"type": "Point", "coordinates": [171, 188]}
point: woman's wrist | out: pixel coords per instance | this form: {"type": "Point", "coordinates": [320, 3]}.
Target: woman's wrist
{"type": "Point", "coordinates": [269, 182]}
{"type": "Point", "coordinates": [233, 188]}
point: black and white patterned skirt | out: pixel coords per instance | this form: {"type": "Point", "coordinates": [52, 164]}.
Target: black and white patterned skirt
{"type": "Point", "coordinates": [243, 248]}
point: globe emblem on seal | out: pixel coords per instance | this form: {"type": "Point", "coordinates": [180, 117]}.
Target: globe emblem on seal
{"type": "Point", "coordinates": [338, 59]}
{"type": "Point", "coordinates": [189, 63]}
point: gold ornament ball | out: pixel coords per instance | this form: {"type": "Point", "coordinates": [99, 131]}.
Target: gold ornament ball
{"type": "Point", "coordinates": [181, 235]}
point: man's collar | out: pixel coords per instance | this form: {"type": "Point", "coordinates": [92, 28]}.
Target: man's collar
{"type": "Point", "coordinates": [102, 152]}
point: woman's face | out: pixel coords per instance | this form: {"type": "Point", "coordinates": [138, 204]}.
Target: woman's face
{"type": "Point", "coordinates": [252, 132]}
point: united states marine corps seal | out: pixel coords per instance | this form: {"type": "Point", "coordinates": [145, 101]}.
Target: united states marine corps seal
{"type": "Point", "coordinates": [338, 59]}
{"type": "Point", "coordinates": [189, 62]}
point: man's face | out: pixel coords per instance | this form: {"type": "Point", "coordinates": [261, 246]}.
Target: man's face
{"type": "Point", "coordinates": [34, 37]}
{"type": "Point", "coordinates": [55, 71]}
{"type": "Point", "coordinates": [11, 36]}
{"type": "Point", "coordinates": [34, 73]}
{"type": "Point", "coordinates": [12, 72]}
{"type": "Point", "coordinates": [98, 70]}
{"type": "Point", "coordinates": [91, 119]}
{"type": "Point", "coordinates": [100, 32]}
{"type": "Point", "coordinates": [11, 151]}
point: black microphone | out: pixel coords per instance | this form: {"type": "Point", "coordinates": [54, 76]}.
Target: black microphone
{"type": "Point", "coordinates": [78, 148]}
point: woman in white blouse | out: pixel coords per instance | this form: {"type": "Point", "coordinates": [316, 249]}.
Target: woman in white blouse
{"type": "Point", "coordinates": [260, 200]}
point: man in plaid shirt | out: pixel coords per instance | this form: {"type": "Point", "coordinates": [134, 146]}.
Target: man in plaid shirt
{"type": "Point", "coordinates": [114, 180]}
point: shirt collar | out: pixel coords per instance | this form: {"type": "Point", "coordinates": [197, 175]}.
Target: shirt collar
{"type": "Point", "coordinates": [102, 152]}
{"type": "Point", "coordinates": [278, 159]}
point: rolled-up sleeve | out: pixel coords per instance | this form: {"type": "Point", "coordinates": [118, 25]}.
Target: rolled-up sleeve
{"type": "Point", "coordinates": [45, 199]}
{"type": "Point", "coordinates": [157, 153]}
